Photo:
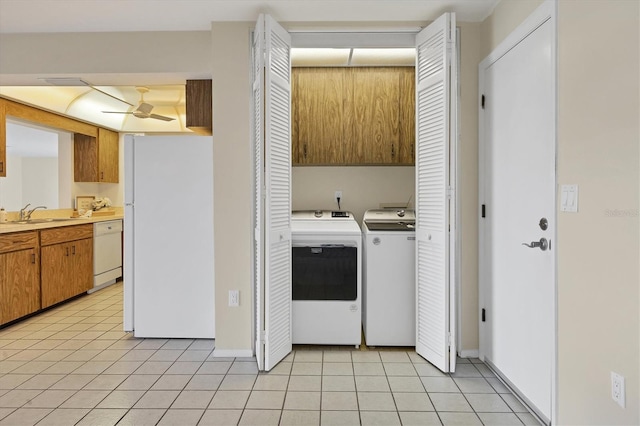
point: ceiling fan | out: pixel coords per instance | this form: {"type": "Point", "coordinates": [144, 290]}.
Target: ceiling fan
{"type": "Point", "coordinates": [144, 109]}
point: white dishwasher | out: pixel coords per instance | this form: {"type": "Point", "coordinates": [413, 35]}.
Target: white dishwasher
{"type": "Point", "coordinates": [107, 253]}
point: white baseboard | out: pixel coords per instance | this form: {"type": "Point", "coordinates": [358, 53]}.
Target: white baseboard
{"type": "Point", "coordinates": [232, 353]}
{"type": "Point", "coordinates": [470, 353]}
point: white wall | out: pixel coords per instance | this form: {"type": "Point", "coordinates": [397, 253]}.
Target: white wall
{"type": "Point", "coordinates": [34, 187]}
{"type": "Point", "coordinates": [232, 180]}
{"type": "Point", "coordinates": [11, 185]}
{"type": "Point", "coordinates": [598, 253]}
{"type": "Point", "coordinates": [362, 187]}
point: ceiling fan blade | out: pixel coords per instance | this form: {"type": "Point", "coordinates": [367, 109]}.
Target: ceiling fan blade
{"type": "Point", "coordinates": [116, 112]}
{"type": "Point", "coordinates": [161, 117]}
{"type": "Point", "coordinates": [145, 108]}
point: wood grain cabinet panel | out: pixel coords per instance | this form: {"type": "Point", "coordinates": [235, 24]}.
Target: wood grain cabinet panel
{"type": "Point", "coordinates": [319, 116]}
{"type": "Point", "coordinates": [66, 262]}
{"type": "Point", "coordinates": [96, 158]}
{"type": "Point", "coordinates": [353, 116]}
{"type": "Point", "coordinates": [19, 276]}
{"type": "Point", "coordinates": [376, 118]}
{"type": "Point", "coordinates": [407, 116]}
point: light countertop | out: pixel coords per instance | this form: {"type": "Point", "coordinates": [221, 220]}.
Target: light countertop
{"type": "Point", "coordinates": [8, 227]}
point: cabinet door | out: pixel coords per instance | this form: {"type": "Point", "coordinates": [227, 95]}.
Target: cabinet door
{"type": "Point", "coordinates": [376, 121]}
{"type": "Point", "coordinates": [319, 115]}
{"type": "Point", "coordinates": [107, 156]}
{"type": "Point", "coordinates": [85, 158]}
{"type": "Point", "coordinates": [19, 284]}
{"type": "Point", "coordinates": [96, 159]}
{"type": "Point", "coordinates": [407, 116]}
{"type": "Point", "coordinates": [82, 264]}
{"type": "Point", "coordinates": [55, 272]}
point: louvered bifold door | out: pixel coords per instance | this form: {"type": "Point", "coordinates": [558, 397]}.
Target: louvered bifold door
{"type": "Point", "coordinates": [257, 135]}
{"type": "Point", "coordinates": [435, 123]}
{"type": "Point", "coordinates": [277, 267]}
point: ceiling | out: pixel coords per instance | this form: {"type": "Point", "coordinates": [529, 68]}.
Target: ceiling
{"type": "Point", "coordinates": [44, 16]}
{"type": "Point", "coordinates": [87, 104]}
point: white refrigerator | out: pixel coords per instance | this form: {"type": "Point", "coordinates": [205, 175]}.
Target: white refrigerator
{"type": "Point", "coordinates": [168, 237]}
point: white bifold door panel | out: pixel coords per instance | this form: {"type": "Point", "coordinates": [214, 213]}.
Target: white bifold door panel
{"type": "Point", "coordinates": [272, 196]}
{"type": "Point", "coordinates": [436, 136]}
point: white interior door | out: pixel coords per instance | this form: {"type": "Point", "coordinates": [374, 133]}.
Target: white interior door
{"type": "Point", "coordinates": [436, 138]}
{"type": "Point", "coordinates": [272, 53]}
{"type": "Point", "coordinates": [518, 191]}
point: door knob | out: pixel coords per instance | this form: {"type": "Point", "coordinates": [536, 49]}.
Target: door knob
{"type": "Point", "coordinates": [543, 244]}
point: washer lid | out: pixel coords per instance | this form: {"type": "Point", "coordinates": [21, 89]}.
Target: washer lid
{"type": "Point", "coordinates": [389, 215]}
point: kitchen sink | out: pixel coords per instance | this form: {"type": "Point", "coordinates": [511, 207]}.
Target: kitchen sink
{"type": "Point", "coordinates": [35, 221]}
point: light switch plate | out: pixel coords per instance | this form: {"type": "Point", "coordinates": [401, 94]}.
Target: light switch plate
{"type": "Point", "coordinates": [569, 198]}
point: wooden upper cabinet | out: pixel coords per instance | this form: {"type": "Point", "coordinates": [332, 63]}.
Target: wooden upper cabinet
{"type": "Point", "coordinates": [96, 158]}
{"type": "Point", "coordinates": [353, 116]}
{"type": "Point", "coordinates": [375, 136]}
{"type": "Point", "coordinates": [319, 115]}
{"type": "Point", "coordinates": [199, 106]}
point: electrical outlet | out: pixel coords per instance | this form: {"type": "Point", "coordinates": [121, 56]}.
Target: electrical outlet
{"type": "Point", "coordinates": [338, 195]}
{"type": "Point", "coordinates": [617, 389]}
{"type": "Point", "coordinates": [234, 298]}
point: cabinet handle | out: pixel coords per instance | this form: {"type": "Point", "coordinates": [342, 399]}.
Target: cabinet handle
{"type": "Point", "coordinates": [304, 151]}
{"type": "Point", "coordinates": [67, 251]}
{"type": "Point", "coordinates": [33, 258]}
{"type": "Point", "coordinates": [412, 153]}
{"type": "Point", "coordinates": [393, 151]}
{"type": "Point", "coordinates": [101, 175]}
{"type": "Point", "coordinates": [73, 250]}
{"type": "Point", "coordinates": [1, 166]}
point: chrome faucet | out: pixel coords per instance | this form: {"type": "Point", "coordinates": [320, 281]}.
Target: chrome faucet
{"type": "Point", "coordinates": [26, 214]}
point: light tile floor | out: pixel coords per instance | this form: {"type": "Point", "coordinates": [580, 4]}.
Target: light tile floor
{"type": "Point", "coordinates": [74, 365]}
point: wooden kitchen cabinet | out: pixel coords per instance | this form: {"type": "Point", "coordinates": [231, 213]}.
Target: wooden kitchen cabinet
{"type": "Point", "coordinates": [353, 116]}
{"type": "Point", "coordinates": [66, 262]}
{"type": "Point", "coordinates": [19, 275]}
{"type": "Point", "coordinates": [96, 158]}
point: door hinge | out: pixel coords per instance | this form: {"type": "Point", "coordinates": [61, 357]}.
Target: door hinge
{"type": "Point", "coordinates": [482, 102]}
{"type": "Point", "coordinates": [484, 210]}
{"type": "Point", "coordinates": [484, 315]}
{"type": "Point", "coordinates": [449, 193]}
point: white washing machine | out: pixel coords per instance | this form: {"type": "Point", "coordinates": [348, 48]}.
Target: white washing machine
{"type": "Point", "coordinates": [326, 278]}
{"type": "Point", "coordinates": [389, 292]}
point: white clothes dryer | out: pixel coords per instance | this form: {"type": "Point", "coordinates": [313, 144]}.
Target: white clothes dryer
{"type": "Point", "coordinates": [326, 278]}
